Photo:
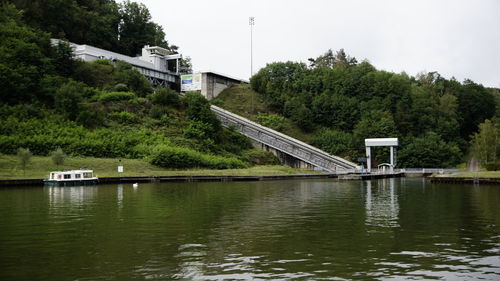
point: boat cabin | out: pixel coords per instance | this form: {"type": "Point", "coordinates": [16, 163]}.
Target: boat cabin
{"type": "Point", "coordinates": [73, 177]}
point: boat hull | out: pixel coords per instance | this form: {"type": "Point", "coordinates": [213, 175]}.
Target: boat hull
{"type": "Point", "coordinates": [70, 182]}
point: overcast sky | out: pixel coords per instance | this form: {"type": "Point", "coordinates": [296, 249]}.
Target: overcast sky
{"type": "Point", "coordinates": [456, 38]}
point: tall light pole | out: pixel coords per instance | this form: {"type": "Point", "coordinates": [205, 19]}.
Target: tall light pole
{"type": "Point", "coordinates": [251, 21]}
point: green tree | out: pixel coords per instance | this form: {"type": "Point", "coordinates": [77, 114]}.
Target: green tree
{"type": "Point", "coordinates": [62, 59]}
{"type": "Point", "coordinates": [68, 98]}
{"type": "Point", "coordinates": [336, 111]}
{"type": "Point", "coordinates": [136, 82]}
{"type": "Point", "coordinates": [166, 96]}
{"type": "Point", "coordinates": [485, 144]}
{"type": "Point", "coordinates": [24, 156]}
{"type": "Point", "coordinates": [328, 59]}
{"type": "Point", "coordinates": [333, 141]}
{"type": "Point", "coordinates": [93, 22]}
{"type": "Point", "coordinates": [198, 109]}
{"type": "Point", "coordinates": [375, 124]}
{"type": "Point", "coordinates": [58, 156]}
{"type": "Point", "coordinates": [23, 57]}
{"type": "Point", "coordinates": [475, 104]}
{"type": "Point", "coordinates": [428, 151]}
{"type": "Point", "coordinates": [136, 29]}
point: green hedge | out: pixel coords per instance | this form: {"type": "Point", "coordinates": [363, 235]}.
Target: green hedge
{"type": "Point", "coordinates": [181, 158]}
{"type": "Point", "coordinates": [115, 96]}
{"type": "Point", "coordinates": [44, 136]}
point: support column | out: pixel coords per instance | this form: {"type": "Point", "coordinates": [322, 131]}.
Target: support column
{"type": "Point", "coordinates": [392, 159]}
{"type": "Point", "coordinates": [368, 159]}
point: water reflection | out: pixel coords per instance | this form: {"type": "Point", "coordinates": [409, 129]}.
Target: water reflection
{"type": "Point", "coordinates": [70, 196]}
{"type": "Point", "coordinates": [285, 230]}
{"type": "Point", "coordinates": [119, 196]}
{"type": "Point", "coordinates": [381, 203]}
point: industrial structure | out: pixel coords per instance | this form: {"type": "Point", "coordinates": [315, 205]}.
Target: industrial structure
{"type": "Point", "coordinates": [290, 151]}
{"type": "Point", "coordinates": [209, 83]}
{"type": "Point", "coordinates": [163, 69]}
{"type": "Point", "coordinates": [391, 142]}
{"type": "Point", "coordinates": [157, 64]}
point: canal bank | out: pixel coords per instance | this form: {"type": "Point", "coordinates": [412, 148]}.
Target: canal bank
{"type": "Point", "coordinates": [347, 177]}
{"type": "Point", "coordinates": [149, 179]}
{"type": "Point", "coordinates": [459, 180]}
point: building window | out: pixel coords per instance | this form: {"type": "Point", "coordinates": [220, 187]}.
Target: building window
{"type": "Point", "coordinates": [67, 176]}
{"type": "Point", "coordinates": [77, 176]}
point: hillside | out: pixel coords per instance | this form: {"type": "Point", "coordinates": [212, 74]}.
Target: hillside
{"type": "Point", "coordinates": [336, 102]}
{"type": "Point", "coordinates": [244, 101]}
{"type": "Point", "coordinates": [103, 109]}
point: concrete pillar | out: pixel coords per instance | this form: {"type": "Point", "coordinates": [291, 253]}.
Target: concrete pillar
{"type": "Point", "coordinates": [392, 159]}
{"type": "Point", "coordinates": [368, 159]}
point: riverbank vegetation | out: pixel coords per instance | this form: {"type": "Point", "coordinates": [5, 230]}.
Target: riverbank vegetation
{"type": "Point", "coordinates": [39, 167]}
{"type": "Point", "coordinates": [336, 102]}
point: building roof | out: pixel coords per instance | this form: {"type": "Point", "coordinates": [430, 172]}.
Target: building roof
{"type": "Point", "coordinates": [224, 75]}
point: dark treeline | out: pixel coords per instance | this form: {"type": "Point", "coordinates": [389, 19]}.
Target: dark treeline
{"type": "Point", "coordinates": [120, 27]}
{"type": "Point", "coordinates": [342, 102]}
{"type": "Point", "coordinates": [49, 100]}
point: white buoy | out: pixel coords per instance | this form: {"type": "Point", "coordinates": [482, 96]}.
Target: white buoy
{"type": "Point", "coordinates": [135, 185]}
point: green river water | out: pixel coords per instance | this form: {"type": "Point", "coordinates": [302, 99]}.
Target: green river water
{"type": "Point", "coordinates": [391, 229]}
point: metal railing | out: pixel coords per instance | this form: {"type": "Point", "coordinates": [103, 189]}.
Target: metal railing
{"type": "Point", "coordinates": [284, 143]}
{"type": "Point", "coordinates": [427, 170]}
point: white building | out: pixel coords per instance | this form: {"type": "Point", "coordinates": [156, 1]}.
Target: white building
{"type": "Point", "coordinates": [209, 83]}
{"type": "Point", "coordinates": [156, 63]}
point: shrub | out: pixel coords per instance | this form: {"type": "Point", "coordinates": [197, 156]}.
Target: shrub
{"type": "Point", "coordinates": [178, 157]}
{"type": "Point", "coordinates": [198, 130]}
{"type": "Point", "coordinates": [124, 117]}
{"type": "Point", "coordinates": [219, 162]}
{"type": "Point", "coordinates": [58, 156]}
{"type": "Point", "coordinates": [260, 157]}
{"type": "Point", "coordinates": [120, 87]}
{"type": "Point", "coordinates": [175, 157]}
{"type": "Point", "coordinates": [115, 96]}
{"type": "Point", "coordinates": [91, 115]}
{"type": "Point", "coordinates": [166, 96]}
{"type": "Point", "coordinates": [198, 109]}
{"type": "Point", "coordinates": [157, 111]}
{"type": "Point", "coordinates": [24, 156]}
{"type": "Point", "coordinates": [234, 142]}
{"type": "Point", "coordinates": [272, 121]}
{"type": "Point", "coordinates": [68, 98]}
{"type": "Point", "coordinates": [139, 101]}
{"type": "Point", "coordinates": [492, 166]}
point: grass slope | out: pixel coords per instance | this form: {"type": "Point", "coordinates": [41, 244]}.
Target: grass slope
{"type": "Point", "coordinates": [107, 167]}
{"type": "Point", "coordinates": [480, 174]}
{"type": "Point", "coordinates": [242, 100]}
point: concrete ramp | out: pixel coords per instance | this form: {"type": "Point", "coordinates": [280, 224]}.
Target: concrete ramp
{"type": "Point", "coordinates": [284, 143]}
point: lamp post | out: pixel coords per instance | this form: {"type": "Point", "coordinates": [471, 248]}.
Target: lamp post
{"type": "Point", "coordinates": [251, 21]}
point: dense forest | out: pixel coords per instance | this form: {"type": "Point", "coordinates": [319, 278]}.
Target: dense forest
{"type": "Point", "coordinates": [120, 27]}
{"type": "Point", "coordinates": [341, 101]}
{"type": "Point", "coordinates": [49, 100]}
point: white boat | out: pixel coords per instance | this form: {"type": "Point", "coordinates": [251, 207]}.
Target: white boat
{"type": "Point", "coordinates": [72, 178]}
